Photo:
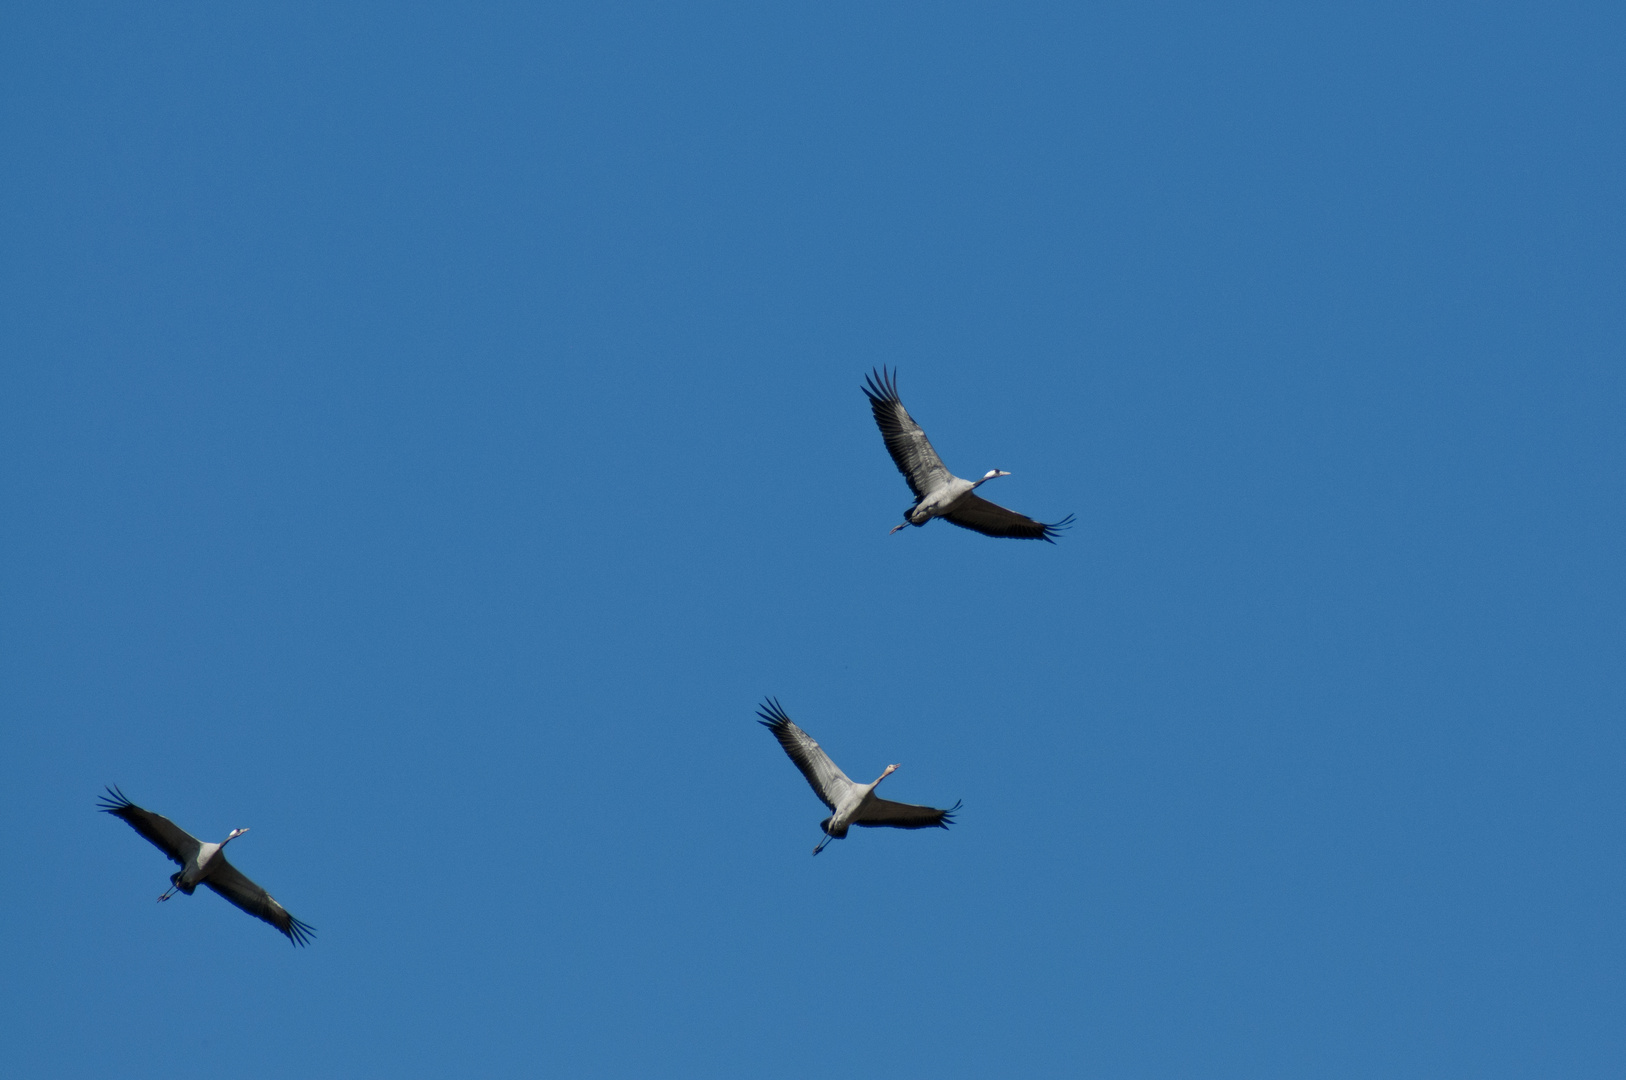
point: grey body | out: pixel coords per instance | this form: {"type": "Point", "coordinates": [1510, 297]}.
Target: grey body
{"type": "Point", "coordinates": [938, 492]}
{"type": "Point", "coordinates": [203, 861]}
{"type": "Point", "coordinates": [940, 501]}
{"type": "Point", "coordinates": [850, 804]}
{"type": "Point", "coordinates": [204, 864]}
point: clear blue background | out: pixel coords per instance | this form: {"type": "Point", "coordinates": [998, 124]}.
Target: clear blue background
{"type": "Point", "coordinates": [428, 432]}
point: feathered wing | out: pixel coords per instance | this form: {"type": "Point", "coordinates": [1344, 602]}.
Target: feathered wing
{"type": "Point", "coordinates": [979, 515]}
{"type": "Point", "coordinates": [228, 881]}
{"type": "Point", "coordinates": [878, 813]}
{"type": "Point", "coordinates": [168, 837]}
{"type": "Point", "coordinates": [910, 449]}
{"type": "Point", "coordinates": [828, 782]}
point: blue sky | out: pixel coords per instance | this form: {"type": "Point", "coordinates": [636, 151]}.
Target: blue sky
{"type": "Point", "coordinates": [429, 431]}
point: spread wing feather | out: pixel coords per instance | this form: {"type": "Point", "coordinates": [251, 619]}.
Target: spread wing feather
{"type": "Point", "coordinates": [910, 449]}
{"type": "Point", "coordinates": [228, 881]}
{"type": "Point", "coordinates": [828, 782]}
{"type": "Point", "coordinates": [979, 515]}
{"type": "Point", "coordinates": [168, 837]}
{"type": "Point", "coordinates": [896, 815]}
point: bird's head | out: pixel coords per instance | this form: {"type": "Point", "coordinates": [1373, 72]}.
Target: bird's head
{"type": "Point", "coordinates": [994, 473]}
{"type": "Point", "coordinates": [235, 833]}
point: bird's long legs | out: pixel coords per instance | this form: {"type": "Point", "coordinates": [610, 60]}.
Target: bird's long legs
{"type": "Point", "coordinates": [826, 840]}
{"type": "Point", "coordinates": [169, 892]}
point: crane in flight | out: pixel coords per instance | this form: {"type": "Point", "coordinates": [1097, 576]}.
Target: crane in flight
{"type": "Point", "coordinates": [938, 492]}
{"type": "Point", "coordinates": [850, 803]}
{"type": "Point", "coordinates": [203, 864]}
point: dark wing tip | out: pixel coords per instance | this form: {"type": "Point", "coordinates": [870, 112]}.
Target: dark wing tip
{"type": "Point", "coordinates": [1054, 530]}
{"type": "Point", "coordinates": [114, 801]}
{"type": "Point", "coordinates": [300, 933]}
{"type": "Point", "coordinates": [881, 387]}
{"type": "Point", "coordinates": [948, 815]}
{"type": "Point", "coordinates": [771, 714]}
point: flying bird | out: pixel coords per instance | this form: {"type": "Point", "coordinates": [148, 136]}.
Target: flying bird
{"type": "Point", "coordinates": [938, 492]}
{"type": "Point", "coordinates": [204, 864]}
{"type": "Point", "coordinates": [852, 804]}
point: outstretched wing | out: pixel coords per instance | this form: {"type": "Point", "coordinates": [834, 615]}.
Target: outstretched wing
{"type": "Point", "coordinates": [897, 815]}
{"type": "Point", "coordinates": [168, 837]}
{"type": "Point", "coordinates": [829, 783]}
{"type": "Point", "coordinates": [979, 515]}
{"type": "Point", "coordinates": [908, 445]}
{"type": "Point", "coordinates": [228, 881]}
